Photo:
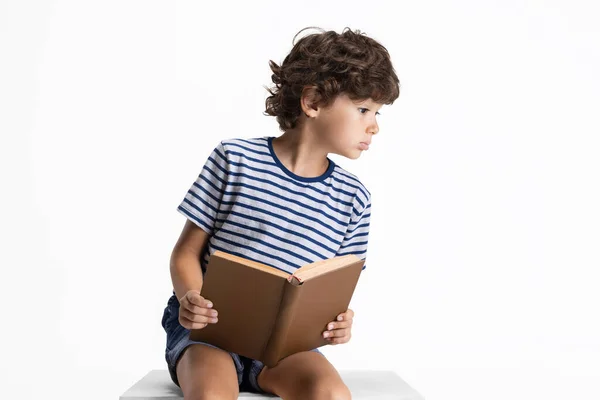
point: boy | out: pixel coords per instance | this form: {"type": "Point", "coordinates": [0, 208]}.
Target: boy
{"type": "Point", "coordinates": [281, 201]}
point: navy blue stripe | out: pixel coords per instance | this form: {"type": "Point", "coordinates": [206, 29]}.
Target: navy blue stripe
{"type": "Point", "coordinates": [209, 194]}
{"type": "Point", "coordinates": [218, 165]}
{"type": "Point", "coordinates": [337, 168]}
{"type": "Point", "coordinates": [348, 175]}
{"type": "Point", "coordinates": [251, 141]}
{"type": "Point", "coordinates": [186, 212]}
{"type": "Point", "coordinates": [353, 244]}
{"type": "Point", "coordinates": [333, 188]}
{"type": "Point", "coordinates": [301, 204]}
{"type": "Point", "coordinates": [360, 202]}
{"type": "Point", "coordinates": [267, 244]}
{"type": "Point", "coordinates": [355, 211]}
{"type": "Point", "coordinates": [352, 252]}
{"type": "Point", "coordinates": [282, 178]}
{"type": "Point", "coordinates": [265, 211]}
{"type": "Point", "coordinates": [360, 234]}
{"type": "Point", "coordinates": [291, 192]}
{"type": "Point", "coordinates": [319, 216]}
{"type": "Point", "coordinates": [344, 213]}
{"type": "Point", "coordinates": [361, 188]}
{"type": "Point", "coordinates": [295, 232]}
{"type": "Point", "coordinates": [263, 221]}
{"type": "Point", "coordinates": [269, 182]}
{"type": "Point", "coordinates": [235, 253]}
{"type": "Point", "coordinates": [282, 207]}
{"type": "Point", "coordinates": [216, 150]}
{"type": "Point", "coordinates": [291, 221]}
{"type": "Point", "coordinates": [366, 224]}
{"type": "Point", "coordinates": [211, 183]}
{"type": "Point", "coordinates": [345, 174]}
{"type": "Point", "coordinates": [364, 217]}
{"type": "Point", "coordinates": [195, 207]}
{"type": "Point", "coordinates": [213, 173]}
{"type": "Point", "coordinates": [266, 153]}
{"type": "Point", "coordinates": [279, 238]}
{"type": "Point", "coordinates": [270, 256]}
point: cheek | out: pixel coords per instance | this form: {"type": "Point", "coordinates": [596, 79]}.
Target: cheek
{"type": "Point", "coordinates": [341, 121]}
{"type": "Point", "coordinates": [338, 130]}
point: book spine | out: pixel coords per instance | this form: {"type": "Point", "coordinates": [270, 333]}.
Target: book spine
{"type": "Point", "coordinates": [276, 342]}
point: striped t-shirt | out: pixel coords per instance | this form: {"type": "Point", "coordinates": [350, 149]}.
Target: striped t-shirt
{"type": "Point", "coordinates": [252, 206]}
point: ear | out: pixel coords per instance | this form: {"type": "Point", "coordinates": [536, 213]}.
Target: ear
{"type": "Point", "coordinates": [310, 96]}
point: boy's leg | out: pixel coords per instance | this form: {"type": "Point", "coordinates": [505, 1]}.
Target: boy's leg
{"type": "Point", "coordinates": [206, 372]}
{"type": "Point", "coordinates": [304, 375]}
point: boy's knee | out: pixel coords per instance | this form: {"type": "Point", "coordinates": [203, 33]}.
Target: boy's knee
{"type": "Point", "coordinates": [324, 391]}
{"type": "Point", "coordinates": [211, 394]}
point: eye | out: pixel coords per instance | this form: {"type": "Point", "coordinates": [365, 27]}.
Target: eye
{"type": "Point", "coordinates": [377, 113]}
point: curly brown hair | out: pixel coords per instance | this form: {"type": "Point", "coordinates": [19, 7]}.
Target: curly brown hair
{"type": "Point", "coordinates": [330, 64]}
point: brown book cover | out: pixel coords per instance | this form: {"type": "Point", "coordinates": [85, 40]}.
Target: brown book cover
{"type": "Point", "coordinates": [267, 314]}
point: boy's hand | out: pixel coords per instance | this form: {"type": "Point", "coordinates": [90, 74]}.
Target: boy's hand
{"type": "Point", "coordinates": [339, 331]}
{"type": "Point", "coordinates": [195, 312]}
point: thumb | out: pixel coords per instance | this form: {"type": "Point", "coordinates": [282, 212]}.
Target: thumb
{"type": "Point", "coordinates": [190, 294]}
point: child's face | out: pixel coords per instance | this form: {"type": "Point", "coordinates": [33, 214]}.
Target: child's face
{"type": "Point", "coordinates": [346, 124]}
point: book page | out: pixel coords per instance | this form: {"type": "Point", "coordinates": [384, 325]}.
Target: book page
{"type": "Point", "coordinates": [321, 267]}
{"type": "Point", "coordinates": [253, 264]}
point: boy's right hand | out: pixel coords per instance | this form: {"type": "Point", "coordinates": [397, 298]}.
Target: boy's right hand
{"type": "Point", "coordinates": [195, 312]}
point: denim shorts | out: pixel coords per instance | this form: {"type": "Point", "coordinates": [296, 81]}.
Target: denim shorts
{"type": "Point", "coordinates": [178, 339]}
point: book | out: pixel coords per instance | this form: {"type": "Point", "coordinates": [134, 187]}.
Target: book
{"type": "Point", "coordinates": [268, 314]}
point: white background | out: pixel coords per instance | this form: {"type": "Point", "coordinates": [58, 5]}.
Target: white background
{"type": "Point", "coordinates": [484, 250]}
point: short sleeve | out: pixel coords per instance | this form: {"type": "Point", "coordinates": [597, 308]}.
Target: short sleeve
{"type": "Point", "coordinates": [357, 235]}
{"type": "Point", "coordinates": [203, 199]}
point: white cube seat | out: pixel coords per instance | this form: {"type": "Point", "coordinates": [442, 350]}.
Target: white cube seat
{"type": "Point", "coordinates": [363, 384]}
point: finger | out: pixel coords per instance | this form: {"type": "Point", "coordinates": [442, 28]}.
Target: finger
{"type": "Point", "coordinates": [334, 341]}
{"type": "Point", "coordinates": [187, 324]}
{"type": "Point", "coordinates": [193, 325]}
{"type": "Point", "coordinates": [336, 333]}
{"type": "Point", "coordinates": [185, 296]}
{"type": "Point", "coordinates": [196, 299]}
{"type": "Point", "coordinates": [194, 309]}
{"type": "Point", "coordinates": [348, 314]}
{"type": "Point", "coordinates": [195, 302]}
{"type": "Point", "coordinates": [189, 296]}
{"type": "Point", "coordinates": [339, 325]}
{"type": "Point", "coordinates": [197, 317]}
{"type": "Point", "coordinates": [339, 332]}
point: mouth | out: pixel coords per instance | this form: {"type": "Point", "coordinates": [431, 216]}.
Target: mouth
{"type": "Point", "coordinates": [364, 145]}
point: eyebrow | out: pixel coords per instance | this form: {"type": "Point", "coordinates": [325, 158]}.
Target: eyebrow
{"type": "Point", "coordinates": [373, 105]}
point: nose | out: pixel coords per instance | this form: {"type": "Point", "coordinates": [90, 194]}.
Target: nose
{"type": "Point", "coordinates": [374, 128]}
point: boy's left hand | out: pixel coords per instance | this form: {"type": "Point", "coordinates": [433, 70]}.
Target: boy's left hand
{"type": "Point", "coordinates": [339, 331]}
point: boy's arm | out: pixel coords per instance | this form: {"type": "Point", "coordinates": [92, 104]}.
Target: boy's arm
{"type": "Point", "coordinates": [186, 273]}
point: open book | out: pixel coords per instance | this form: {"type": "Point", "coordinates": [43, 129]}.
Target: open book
{"type": "Point", "coordinates": [267, 314]}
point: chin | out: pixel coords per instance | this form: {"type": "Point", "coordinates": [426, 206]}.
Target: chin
{"type": "Point", "coordinates": [353, 155]}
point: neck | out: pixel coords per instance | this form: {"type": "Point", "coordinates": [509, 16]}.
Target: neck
{"type": "Point", "coordinates": [301, 152]}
